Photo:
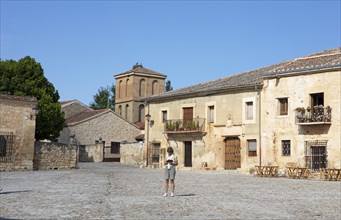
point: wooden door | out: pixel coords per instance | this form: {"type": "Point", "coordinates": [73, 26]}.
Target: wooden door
{"type": "Point", "coordinates": [232, 153]}
{"type": "Point", "coordinates": [188, 154]}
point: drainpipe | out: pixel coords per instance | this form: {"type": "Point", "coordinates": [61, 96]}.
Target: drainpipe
{"type": "Point", "coordinates": [259, 127]}
{"type": "Point", "coordinates": [147, 117]}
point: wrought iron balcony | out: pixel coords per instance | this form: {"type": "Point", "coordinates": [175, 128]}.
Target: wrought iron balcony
{"type": "Point", "coordinates": [185, 126]}
{"type": "Point", "coordinates": [313, 116]}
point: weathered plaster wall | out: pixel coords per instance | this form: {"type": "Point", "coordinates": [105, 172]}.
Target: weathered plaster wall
{"type": "Point", "coordinates": [210, 147]}
{"type": "Point", "coordinates": [132, 153]}
{"type": "Point", "coordinates": [276, 128]}
{"type": "Point", "coordinates": [91, 153]}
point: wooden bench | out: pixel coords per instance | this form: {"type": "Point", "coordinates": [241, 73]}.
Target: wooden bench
{"type": "Point", "coordinates": [297, 172]}
{"type": "Point", "coordinates": [267, 171]}
{"type": "Point", "coordinates": [331, 174]}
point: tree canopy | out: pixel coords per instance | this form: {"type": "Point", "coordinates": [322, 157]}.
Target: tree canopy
{"type": "Point", "coordinates": [25, 77]}
{"type": "Point", "coordinates": [104, 98]}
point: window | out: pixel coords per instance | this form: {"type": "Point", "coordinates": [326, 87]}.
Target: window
{"type": "Point", "coordinates": [317, 99]}
{"type": "Point", "coordinates": [210, 114]}
{"type": "Point", "coordinates": [115, 147]}
{"type": "Point", "coordinates": [120, 89]}
{"type": "Point", "coordinates": [286, 149]}
{"type": "Point", "coordinates": [252, 146]}
{"type": "Point", "coordinates": [318, 157]}
{"type": "Point", "coordinates": [127, 112]}
{"type": "Point", "coordinates": [141, 113]}
{"type": "Point", "coordinates": [249, 110]}
{"type": "Point", "coordinates": [283, 106]}
{"type": "Point", "coordinates": [6, 144]}
{"type": "Point", "coordinates": [127, 90]}
{"type": "Point", "coordinates": [155, 87]}
{"type": "Point", "coordinates": [3, 146]}
{"type": "Point", "coordinates": [120, 110]}
{"type": "Point", "coordinates": [316, 154]}
{"type": "Point", "coordinates": [142, 88]}
{"type": "Point", "coordinates": [164, 116]}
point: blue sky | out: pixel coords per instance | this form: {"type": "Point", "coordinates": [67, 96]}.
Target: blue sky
{"type": "Point", "coordinates": [83, 44]}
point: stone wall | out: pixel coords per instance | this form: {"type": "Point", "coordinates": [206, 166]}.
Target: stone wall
{"type": "Point", "coordinates": [132, 153]}
{"type": "Point", "coordinates": [17, 130]}
{"type": "Point", "coordinates": [91, 153]}
{"type": "Point", "coordinates": [54, 156]}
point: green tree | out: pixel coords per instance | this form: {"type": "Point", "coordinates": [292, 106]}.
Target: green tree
{"type": "Point", "coordinates": [50, 118]}
{"type": "Point", "coordinates": [26, 78]}
{"type": "Point", "coordinates": [105, 98]}
{"type": "Point", "coordinates": [168, 86]}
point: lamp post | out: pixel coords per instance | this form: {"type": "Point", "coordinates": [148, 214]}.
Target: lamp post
{"type": "Point", "coordinates": [148, 116]}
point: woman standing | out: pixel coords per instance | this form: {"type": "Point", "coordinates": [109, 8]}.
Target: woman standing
{"type": "Point", "coordinates": [170, 163]}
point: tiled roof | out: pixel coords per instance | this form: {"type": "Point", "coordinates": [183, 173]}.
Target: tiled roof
{"type": "Point", "coordinates": [85, 116]}
{"type": "Point", "coordinates": [90, 114]}
{"type": "Point", "coordinates": [140, 125]}
{"type": "Point", "coordinates": [140, 69]}
{"type": "Point", "coordinates": [245, 79]}
{"type": "Point", "coordinates": [19, 98]}
{"type": "Point", "coordinates": [66, 102]}
{"type": "Point", "coordinates": [324, 59]}
{"type": "Point", "coordinates": [139, 137]}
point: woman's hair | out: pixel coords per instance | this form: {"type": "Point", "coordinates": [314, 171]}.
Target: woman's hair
{"type": "Point", "coordinates": [170, 150]}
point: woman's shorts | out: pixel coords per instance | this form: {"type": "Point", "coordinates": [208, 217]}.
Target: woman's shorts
{"type": "Point", "coordinates": [170, 173]}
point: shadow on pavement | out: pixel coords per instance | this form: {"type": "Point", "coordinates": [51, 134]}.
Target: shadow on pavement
{"type": "Point", "coordinates": [10, 192]}
{"type": "Point", "coordinates": [186, 194]}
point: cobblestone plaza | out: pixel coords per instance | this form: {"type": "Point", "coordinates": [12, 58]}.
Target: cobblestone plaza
{"type": "Point", "coordinates": [115, 191]}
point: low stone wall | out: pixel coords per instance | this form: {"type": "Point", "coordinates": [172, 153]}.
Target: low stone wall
{"type": "Point", "coordinates": [54, 156]}
{"type": "Point", "coordinates": [91, 153]}
{"type": "Point", "coordinates": [132, 153]}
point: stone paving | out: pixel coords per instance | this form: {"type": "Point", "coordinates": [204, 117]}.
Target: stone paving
{"type": "Point", "coordinates": [116, 191]}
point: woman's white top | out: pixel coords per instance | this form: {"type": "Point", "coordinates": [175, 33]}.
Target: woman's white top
{"type": "Point", "coordinates": [171, 157]}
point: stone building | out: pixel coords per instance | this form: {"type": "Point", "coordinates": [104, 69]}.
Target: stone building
{"type": "Point", "coordinates": [17, 131]}
{"type": "Point", "coordinates": [86, 127]}
{"type": "Point", "coordinates": [131, 86]}
{"type": "Point", "coordinates": [231, 123]}
{"type": "Point", "coordinates": [301, 121]}
{"type": "Point", "coordinates": [73, 107]}
{"type": "Point", "coordinates": [214, 124]}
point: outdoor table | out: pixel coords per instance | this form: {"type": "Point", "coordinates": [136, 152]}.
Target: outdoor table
{"type": "Point", "coordinates": [298, 172]}
{"type": "Point", "coordinates": [331, 174]}
{"type": "Point", "coordinates": [267, 171]}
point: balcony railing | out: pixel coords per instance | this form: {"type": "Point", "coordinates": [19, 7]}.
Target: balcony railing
{"type": "Point", "coordinates": [313, 116]}
{"type": "Point", "coordinates": [183, 126]}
